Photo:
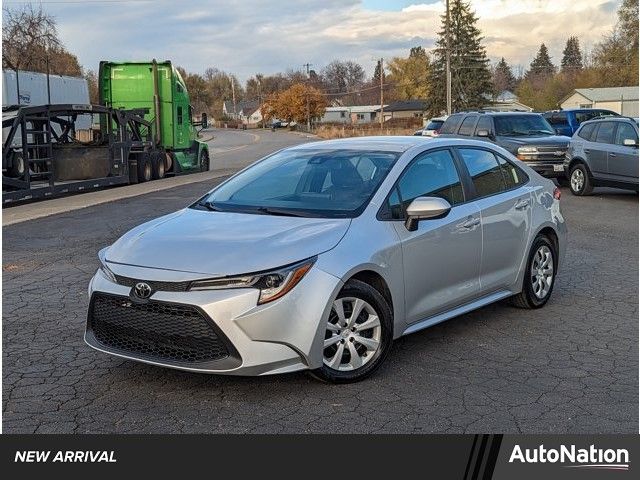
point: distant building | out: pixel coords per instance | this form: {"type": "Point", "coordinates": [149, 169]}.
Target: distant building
{"type": "Point", "coordinates": [404, 109]}
{"type": "Point", "coordinates": [247, 112]}
{"type": "Point", "coordinates": [507, 101]}
{"type": "Point", "coordinates": [351, 115]}
{"type": "Point", "coordinates": [622, 100]}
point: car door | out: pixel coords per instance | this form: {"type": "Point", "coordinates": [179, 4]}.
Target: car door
{"type": "Point", "coordinates": [505, 208]}
{"type": "Point", "coordinates": [597, 151]}
{"type": "Point", "coordinates": [441, 258]}
{"type": "Point", "coordinates": [623, 159]}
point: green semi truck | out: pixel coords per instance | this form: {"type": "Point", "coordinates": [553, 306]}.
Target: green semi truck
{"type": "Point", "coordinates": [159, 89]}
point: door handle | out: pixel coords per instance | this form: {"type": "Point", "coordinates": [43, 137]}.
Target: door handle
{"type": "Point", "coordinates": [586, 150]}
{"type": "Point", "coordinates": [612, 154]}
{"type": "Point", "coordinates": [474, 222]}
{"type": "Point", "coordinates": [521, 204]}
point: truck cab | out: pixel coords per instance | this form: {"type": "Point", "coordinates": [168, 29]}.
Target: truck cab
{"type": "Point", "coordinates": [566, 122]}
{"type": "Point", "coordinates": [158, 89]}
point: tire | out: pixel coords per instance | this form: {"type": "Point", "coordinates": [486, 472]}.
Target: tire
{"type": "Point", "coordinates": [533, 294]}
{"type": "Point", "coordinates": [158, 166]}
{"type": "Point", "coordinates": [204, 161]}
{"type": "Point", "coordinates": [18, 165]}
{"type": "Point", "coordinates": [580, 180]}
{"type": "Point", "coordinates": [341, 342]}
{"type": "Point", "coordinates": [145, 168]}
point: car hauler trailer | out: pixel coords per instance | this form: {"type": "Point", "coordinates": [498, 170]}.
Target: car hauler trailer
{"type": "Point", "coordinates": [159, 88]}
{"type": "Point", "coordinates": [43, 156]}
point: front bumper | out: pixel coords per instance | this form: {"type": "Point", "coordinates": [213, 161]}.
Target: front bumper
{"type": "Point", "coordinates": [549, 169]}
{"type": "Point", "coordinates": [282, 336]}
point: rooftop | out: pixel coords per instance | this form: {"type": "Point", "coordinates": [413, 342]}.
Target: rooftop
{"type": "Point", "coordinates": [611, 94]}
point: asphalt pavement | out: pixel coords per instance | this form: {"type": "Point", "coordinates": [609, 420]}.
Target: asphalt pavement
{"type": "Point", "coordinates": [569, 367]}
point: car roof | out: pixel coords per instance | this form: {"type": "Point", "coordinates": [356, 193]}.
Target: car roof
{"type": "Point", "coordinates": [609, 119]}
{"type": "Point", "coordinates": [396, 144]}
{"type": "Point", "coordinates": [494, 114]}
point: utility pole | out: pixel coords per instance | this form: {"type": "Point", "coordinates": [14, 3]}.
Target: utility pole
{"type": "Point", "coordinates": [381, 93]}
{"type": "Point", "coordinates": [448, 56]}
{"type": "Point", "coordinates": [307, 65]}
{"type": "Point", "coordinates": [233, 95]}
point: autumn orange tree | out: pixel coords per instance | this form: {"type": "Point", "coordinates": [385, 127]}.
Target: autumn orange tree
{"type": "Point", "coordinates": [290, 105]}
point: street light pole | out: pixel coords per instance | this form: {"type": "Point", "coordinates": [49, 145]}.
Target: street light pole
{"type": "Point", "coordinates": [448, 57]}
{"type": "Point", "coordinates": [381, 70]}
{"type": "Point", "coordinates": [307, 65]}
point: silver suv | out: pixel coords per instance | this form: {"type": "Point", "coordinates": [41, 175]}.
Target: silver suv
{"type": "Point", "coordinates": [603, 153]}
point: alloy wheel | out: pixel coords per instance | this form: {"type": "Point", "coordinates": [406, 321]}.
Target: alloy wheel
{"type": "Point", "coordinates": [542, 272]}
{"type": "Point", "coordinates": [353, 334]}
{"type": "Point", "coordinates": [577, 180]}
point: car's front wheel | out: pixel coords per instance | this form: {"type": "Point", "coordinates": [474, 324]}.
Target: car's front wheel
{"type": "Point", "coordinates": [358, 334]}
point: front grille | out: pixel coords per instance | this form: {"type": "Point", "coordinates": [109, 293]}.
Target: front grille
{"type": "Point", "coordinates": [547, 153]}
{"type": "Point", "coordinates": [159, 331]}
{"type": "Point", "coordinates": [155, 286]}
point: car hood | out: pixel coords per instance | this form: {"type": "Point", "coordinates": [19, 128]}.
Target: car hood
{"type": "Point", "coordinates": [551, 140]}
{"type": "Point", "coordinates": [225, 243]}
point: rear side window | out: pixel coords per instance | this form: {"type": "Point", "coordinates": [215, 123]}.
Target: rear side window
{"type": "Point", "coordinates": [451, 124]}
{"type": "Point", "coordinates": [484, 170]}
{"type": "Point", "coordinates": [467, 125]}
{"type": "Point", "coordinates": [605, 132]}
{"type": "Point", "coordinates": [586, 132]}
{"type": "Point", "coordinates": [557, 118]}
{"type": "Point", "coordinates": [625, 131]}
{"type": "Point", "coordinates": [179, 115]}
{"type": "Point", "coordinates": [513, 176]}
{"type": "Point", "coordinates": [431, 175]}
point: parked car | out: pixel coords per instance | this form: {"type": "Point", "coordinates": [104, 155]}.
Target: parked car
{"type": "Point", "coordinates": [566, 122]}
{"type": "Point", "coordinates": [528, 136]}
{"type": "Point", "coordinates": [432, 129]}
{"type": "Point", "coordinates": [318, 256]}
{"type": "Point", "coordinates": [603, 152]}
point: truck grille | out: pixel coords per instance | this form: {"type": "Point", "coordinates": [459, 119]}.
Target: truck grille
{"type": "Point", "coordinates": [548, 153]}
{"type": "Point", "coordinates": [155, 286]}
{"type": "Point", "coordinates": [155, 331]}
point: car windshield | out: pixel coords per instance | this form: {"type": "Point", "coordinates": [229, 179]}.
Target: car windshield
{"type": "Point", "coordinates": [434, 125]}
{"type": "Point", "coordinates": [304, 183]}
{"type": "Point", "coordinates": [588, 115]}
{"type": "Point", "coordinates": [522, 125]}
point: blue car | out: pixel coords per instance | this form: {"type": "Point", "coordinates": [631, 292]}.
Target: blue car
{"type": "Point", "coordinates": [567, 122]}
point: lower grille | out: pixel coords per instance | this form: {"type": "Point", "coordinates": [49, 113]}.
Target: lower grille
{"type": "Point", "coordinates": [160, 331]}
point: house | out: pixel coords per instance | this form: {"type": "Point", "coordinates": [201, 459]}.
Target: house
{"type": "Point", "coordinates": [507, 101]}
{"type": "Point", "coordinates": [622, 100]}
{"type": "Point", "coordinates": [355, 114]}
{"type": "Point", "coordinates": [246, 111]}
{"type": "Point", "coordinates": [404, 109]}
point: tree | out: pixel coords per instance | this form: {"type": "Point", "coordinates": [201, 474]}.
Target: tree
{"type": "Point", "coordinates": [199, 94]}
{"type": "Point", "coordinates": [571, 57]}
{"type": "Point", "coordinates": [503, 78]}
{"type": "Point", "coordinates": [343, 76]}
{"type": "Point", "coordinates": [471, 78]}
{"type": "Point", "coordinates": [291, 104]}
{"type": "Point", "coordinates": [30, 41]}
{"type": "Point", "coordinates": [410, 76]}
{"type": "Point", "coordinates": [379, 71]}
{"type": "Point", "coordinates": [541, 66]}
{"type": "Point", "coordinates": [92, 82]}
{"type": "Point", "coordinates": [219, 88]}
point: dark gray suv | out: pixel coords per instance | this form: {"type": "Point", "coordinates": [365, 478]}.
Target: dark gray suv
{"type": "Point", "coordinates": [528, 136]}
{"type": "Point", "coordinates": [603, 152]}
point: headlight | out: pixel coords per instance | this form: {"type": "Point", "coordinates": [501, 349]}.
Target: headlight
{"type": "Point", "coordinates": [526, 150]}
{"type": "Point", "coordinates": [272, 285]}
{"type": "Point", "coordinates": [103, 266]}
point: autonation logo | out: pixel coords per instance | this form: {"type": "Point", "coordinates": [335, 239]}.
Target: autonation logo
{"type": "Point", "coordinates": [573, 457]}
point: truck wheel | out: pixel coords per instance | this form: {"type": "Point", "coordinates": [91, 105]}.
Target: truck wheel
{"type": "Point", "coordinates": [168, 161]}
{"type": "Point", "coordinates": [17, 165]}
{"type": "Point", "coordinates": [204, 161]}
{"type": "Point", "coordinates": [145, 169]}
{"type": "Point", "coordinates": [158, 165]}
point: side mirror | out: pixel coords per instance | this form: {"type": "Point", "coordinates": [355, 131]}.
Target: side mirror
{"type": "Point", "coordinates": [630, 142]}
{"type": "Point", "coordinates": [483, 133]}
{"type": "Point", "coordinates": [423, 208]}
{"type": "Point", "coordinates": [205, 120]}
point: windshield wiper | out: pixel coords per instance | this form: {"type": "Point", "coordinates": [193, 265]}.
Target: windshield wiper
{"type": "Point", "coordinates": [209, 206]}
{"type": "Point", "coordinates": [531, 132]}
{"type": "Point", "coordinates": [281, 211]}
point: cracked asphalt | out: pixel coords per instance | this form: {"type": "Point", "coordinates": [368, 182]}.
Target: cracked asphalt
{"type": "Point", "coordinates": [571, 367]}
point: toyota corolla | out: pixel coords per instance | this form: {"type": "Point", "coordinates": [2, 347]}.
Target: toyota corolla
{"type": "Point", "coordinates": [318, 256]}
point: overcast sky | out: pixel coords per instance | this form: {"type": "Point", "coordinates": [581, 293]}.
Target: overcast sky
{"type": "Point", "coordinates": [249, 36]}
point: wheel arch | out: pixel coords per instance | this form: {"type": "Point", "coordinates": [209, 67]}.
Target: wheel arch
{"type": "Point", "coordinates": [576, 160]}
{"type": "Point", "coordinates": [377, 281]}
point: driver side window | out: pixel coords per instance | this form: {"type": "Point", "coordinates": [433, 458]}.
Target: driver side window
{"type": "Point", "coordinates": [432, 174]}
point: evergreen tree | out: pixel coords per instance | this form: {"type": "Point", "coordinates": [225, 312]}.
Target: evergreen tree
{"type": "Point", "coordinates": [571, 56]}
{"type": "Point", "coordinates": [377, 72]}
{"type": "Point", "coordinates": [503, 78]}
{"type": "Point", "coordinates": [471, 85]}
{"type": "Point", "coordinates": [541, 67]}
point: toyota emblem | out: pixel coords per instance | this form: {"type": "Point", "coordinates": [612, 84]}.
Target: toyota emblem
{"type": "Point", "coordinates": [142, 290]}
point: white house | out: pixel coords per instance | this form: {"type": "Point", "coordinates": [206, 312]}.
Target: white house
{"type": "Point", "coordinates": [622, 100]}
{"type": "Point", "coordinates": [507, 101]}
{"type": "Point", "coordinates": [248, 112]}
{"type": "Point", "coordinates": [355, 114]}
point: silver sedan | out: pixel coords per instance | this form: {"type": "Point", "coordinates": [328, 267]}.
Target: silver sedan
{"type": "Point", "coordinates": [318, 256]}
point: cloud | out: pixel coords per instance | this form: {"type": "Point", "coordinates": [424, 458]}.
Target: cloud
{"type": "Point", "coordinates": [260, 36]}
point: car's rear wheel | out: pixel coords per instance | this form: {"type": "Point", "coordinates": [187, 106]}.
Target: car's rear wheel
{"type": "Point", "coordinates": [579, 180]}
{"type": "Point", "coordinates": [358, 334]}
{"type": "Point", "coordinates": [540, 275]}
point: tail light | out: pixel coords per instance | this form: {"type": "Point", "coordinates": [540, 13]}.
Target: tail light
{"type": "Point", "coordinates": [436, 133]}
{"type": "Point", "coordinates": [557, 193]}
